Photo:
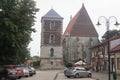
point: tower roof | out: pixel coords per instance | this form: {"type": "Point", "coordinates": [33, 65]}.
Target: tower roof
{"type": "Point", "coordinates": [81, 25]}
{"type": "Point", "coordinates": [52, 14]}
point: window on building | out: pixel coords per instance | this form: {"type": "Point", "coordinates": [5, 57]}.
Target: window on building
{"type": "Point", "coordinates": [118, 63]}
{"type": "Point", "coordinates": [52, 25]}
{"type": "Point", "coordinates": [51, 52]}
{"type": "Point", "coordinates": [52, 38]}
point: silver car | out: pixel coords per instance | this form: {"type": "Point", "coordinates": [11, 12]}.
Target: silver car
{"type": "Point", "coordinates": [77, 72]}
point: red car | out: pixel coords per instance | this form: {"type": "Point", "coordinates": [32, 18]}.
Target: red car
{"type": "Point", "coordinates": [20, 72]}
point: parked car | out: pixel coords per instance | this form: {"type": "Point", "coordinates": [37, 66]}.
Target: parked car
{"type": "Point", "coordinates": [77, 72]}
{"type": "Point", "coordinates": [26, 72]}
{"type": "Point", "coordinates": [30, 71]}
{"type": "Point", "coordinates": [8, 73]}
{"type": "Point", "coordinates": [19, 72]}
{"type": "Point", "coordinates": [33, 69]}
{"type": "Point", "coordinates": [16, 67]}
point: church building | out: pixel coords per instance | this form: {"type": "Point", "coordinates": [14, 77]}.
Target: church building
{"type": "Point", "coordinates": [79, 36]}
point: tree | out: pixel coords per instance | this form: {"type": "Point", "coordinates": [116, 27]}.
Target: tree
{"type": "Point", "coordinates": [110, 34]}
{"type": "Point", "coordinates": [16, 20]}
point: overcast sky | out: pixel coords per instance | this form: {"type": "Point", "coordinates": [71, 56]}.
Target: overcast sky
{"type": "Point", "coordinates": [67, 8]}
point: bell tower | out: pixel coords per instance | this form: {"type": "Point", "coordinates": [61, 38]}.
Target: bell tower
{"type": "Point", "coordinates": [51, 32]}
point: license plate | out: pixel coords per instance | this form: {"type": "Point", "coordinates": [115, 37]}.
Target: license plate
{"type": "Point", "coordinates": [13, 73]}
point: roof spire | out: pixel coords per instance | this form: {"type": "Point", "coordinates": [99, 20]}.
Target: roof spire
{"type": "Point", "coordinates": [51, 7]}
{"type": "Point", "coordinates": [82, 2]}
{"type": "Point", "coordinates": [83, 5]}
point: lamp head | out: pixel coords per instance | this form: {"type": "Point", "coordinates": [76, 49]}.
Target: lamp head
{"type": "Point", "coordinates": [117, 24]}
{"type": "Point", "coordinates": [98, 23]}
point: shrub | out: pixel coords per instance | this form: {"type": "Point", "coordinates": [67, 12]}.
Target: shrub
{"type": "Point", "coordinates": [69, 64]}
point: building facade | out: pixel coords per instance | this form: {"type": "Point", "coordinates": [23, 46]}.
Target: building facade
{"type": "Point", "coordinates": [99, 60]}
{"type": "Point", "coordinates": [51, 47]}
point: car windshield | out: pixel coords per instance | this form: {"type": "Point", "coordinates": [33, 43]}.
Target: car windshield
{"type": "Point", "coordinates": [71, 68]}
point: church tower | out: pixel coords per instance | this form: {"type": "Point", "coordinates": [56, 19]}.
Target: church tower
{"type": "Point", "coordinates": [51, 47]}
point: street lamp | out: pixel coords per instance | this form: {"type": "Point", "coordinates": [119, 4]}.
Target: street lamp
{"type": "Point", "coordinates": [107, 23]}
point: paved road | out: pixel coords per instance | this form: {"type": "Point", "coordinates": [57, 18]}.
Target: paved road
{"type": "Point", "coordinates": [42, 75]}
{"type": "Point", "coordinates": [50, 75]}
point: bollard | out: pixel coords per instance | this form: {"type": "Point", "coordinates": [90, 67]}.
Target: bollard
{"type": "Point", "coordinates": [114, 76]}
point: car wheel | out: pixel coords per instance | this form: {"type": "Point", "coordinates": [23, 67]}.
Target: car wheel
{"type": "Point", "coordinates": [89, 75]}
{"type": "Point", "coordinates": [68, 76]}
{"type": "Point", "coordinates": [2, 78]}
{"type": "Point", "coordinates": [77, 75]}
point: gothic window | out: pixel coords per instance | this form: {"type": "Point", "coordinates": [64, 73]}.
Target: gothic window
{"type": "Point", "coordinates": [52, 25]}
{"type": "Point", "coordinates": [52, 38]}
{"type": "Point", "coordinates": [51, 52]}
{"type": "Point", "coordinates": [77, 38]}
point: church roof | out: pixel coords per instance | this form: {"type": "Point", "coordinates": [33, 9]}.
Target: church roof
{"type": "Point", "coordinates": [52, 14]}
{"type": "Point", "coordinates": [81, 25]}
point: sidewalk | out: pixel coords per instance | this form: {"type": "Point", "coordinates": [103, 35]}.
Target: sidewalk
{"type": "Point", "coordinates": [103, 76]}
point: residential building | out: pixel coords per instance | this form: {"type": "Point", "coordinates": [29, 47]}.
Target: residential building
{"type": "Point", "coordinates": [99, 61]}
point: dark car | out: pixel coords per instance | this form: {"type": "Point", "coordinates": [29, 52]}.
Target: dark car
{"type": "Point", "coordinates": [7, 73]}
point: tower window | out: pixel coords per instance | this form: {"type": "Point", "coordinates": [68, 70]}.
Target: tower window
{"type": "Point", "coordinates": [52, 25]}
{"type": "Point", "coordinates": [52, 38]}
{"type": "Point", "coordinates": [51, 52]}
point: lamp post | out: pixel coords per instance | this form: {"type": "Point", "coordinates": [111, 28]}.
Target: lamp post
{"type": "Point", "coordinates": [0, 9]}
{"type": "Point", "coordinates": [107, 23]}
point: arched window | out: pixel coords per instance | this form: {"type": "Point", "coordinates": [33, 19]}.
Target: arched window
{"type": "Point", "coordinates": [51, 52]}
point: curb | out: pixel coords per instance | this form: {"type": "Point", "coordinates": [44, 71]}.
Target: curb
{"type": "Point", "coordinates": [96, 78]}
{"type": "Point", "coordinates": [56, 76]}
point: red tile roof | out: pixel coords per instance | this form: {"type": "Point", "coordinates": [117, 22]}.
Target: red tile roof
{"type": "Point", "coordinates": [117, 48]}
{"type": "Point", "coordinates": [106, 41]}
{"type": "Point", "coordinates": [81, 25]}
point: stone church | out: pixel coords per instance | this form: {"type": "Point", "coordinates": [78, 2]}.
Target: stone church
{"type": "Point", "coordinates": [79, 36]}
{"type": "Point", "coordinates": [51, 44]}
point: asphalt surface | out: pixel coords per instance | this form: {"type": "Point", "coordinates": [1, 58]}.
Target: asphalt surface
{"type": "Point", "coordinates": [59, 75]}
